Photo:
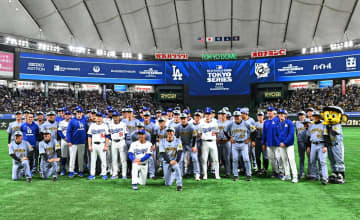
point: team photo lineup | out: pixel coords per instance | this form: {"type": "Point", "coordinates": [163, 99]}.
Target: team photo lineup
{"type": "Point", "coordinates": [171, 144]}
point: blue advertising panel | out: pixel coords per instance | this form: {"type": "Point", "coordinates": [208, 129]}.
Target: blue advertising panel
{"type": "Point", "coordinates": [262, 70]}
{"type": "Point", "coordinates": [319, 66]}
{"type": "Point", "coordinates": [325, 83]}
{"type": "Point", "coordinates": [120, 88]}
{"type": "Point", "coordinates": [81, 69]}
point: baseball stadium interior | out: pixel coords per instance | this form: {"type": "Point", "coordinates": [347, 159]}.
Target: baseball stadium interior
{"type": "Point", "coordinates": [214, 98]}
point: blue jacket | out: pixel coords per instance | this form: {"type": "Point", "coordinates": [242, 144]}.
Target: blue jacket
{"type": "Point", "coordinates": [285, 132]}
{"type": "Point", "coordinates": [76, 131]}
{"type": "Point", "coordinates": [30, 132]}
{"type": "Point", "coordinates": [269, 133]}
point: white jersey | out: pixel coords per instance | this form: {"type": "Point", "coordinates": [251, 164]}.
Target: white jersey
{"type": "Point", "coordinates": [118, 131]}
{"type": "Point", "coordinates": [140, 150]}
{"type": "Point", "coordinates": [98, 132]}
{"type": "Point", "coordinates": [212, 120]}
{"type": "Point", "coordinates": [209, 130]}
{"type": "Point", "coordinates": [63, 125]}
{"type": "Point", "coordinates": [107, 121]}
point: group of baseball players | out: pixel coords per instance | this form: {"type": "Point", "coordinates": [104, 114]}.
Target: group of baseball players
{"type": "Point", "coordinates": [170, 145]}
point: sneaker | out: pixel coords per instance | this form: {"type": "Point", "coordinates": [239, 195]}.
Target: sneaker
{"type": "Point", "coordinates": [179, 188]}
{"type": "Point", "coordinates": [124, 178]}
{"type": "Point", "coordinates": [63, 172]}
{"type": "Point", "coordinates": [236, 178]}
{"type": "Point", "coordinates": [280, 176]}
{"type": "Point", "coordinates": [105, 177]}
{"type": "Point", "coordinates": [205, 177]}
{"type": "Point", "coordinates": [54, 179]}
{"type": "Point", "coordinates": [286, 178]}
{"type": "Point", "coordinates": [248, 178]}
{"type": "Point", "coordinates": [134, 187]}
{"type": "Point", "coordinates": [294, 180]}
{"type": "Point", "coordinates": [81, 174]}
{"type": "Point", "coordinates": [91, 177]}
{"type": "Point", "coordinates": [29, 180]}
{"type": "Point", "coordinates": [218, 177]}
{"type": "Point", "coordinates": [197, 177]}
{"type": "Point", "coordinates": [114, 177]}
{"type": "Point", "coordinates": [71, 174]}
{"type": "Point", "coordinates": [324, 182]}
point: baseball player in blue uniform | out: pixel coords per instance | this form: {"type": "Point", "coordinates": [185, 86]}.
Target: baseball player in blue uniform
{"type": "Point", "coordinates": [224, 145]}
{"type": "Point", "coordinates": [171, 150]}
{"type": "Point", "coordinates": [256, 143]}
{"type": "Point", "coordinates": [151, 128]}
{"type": "Point", "coordinates": [187, 134]}
{"type": "Point", "coordinates": [31, 134]}
{"type": "Point", "coordinates": [239, 134]}
{"type": "Point", "coordinates": [317, 149]}
{"type": "Point", "coordinates": [21, 152]}
{"type": "Point", "coordinates": [76, 136]}
{"type": "Point", "coordinates": [285, 134]}
{"type": "Point", "coordinates": [301, 141]}
{"type": "Point", "coordinates": [14, 126]}
{"type": "Point", "coordinates": [49, 150]}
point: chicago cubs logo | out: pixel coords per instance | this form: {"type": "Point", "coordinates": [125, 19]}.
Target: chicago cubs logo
{"type": "Point", "coordinates": [262, 70]}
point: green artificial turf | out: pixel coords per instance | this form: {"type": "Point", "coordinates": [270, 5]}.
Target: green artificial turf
{"type": "Point", "coordinates": [262, 198]}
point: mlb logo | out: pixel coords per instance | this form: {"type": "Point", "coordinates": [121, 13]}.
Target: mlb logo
{"type": "Point", "coordinates": [219, 67]}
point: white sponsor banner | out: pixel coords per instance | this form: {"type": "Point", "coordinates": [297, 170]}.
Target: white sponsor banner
{"type": "Point", "coordinates": [25, 84]}
{"type": "Point", "coordinates": [301, 85]}
{"type": "Point", "coordinates": [141, 88]}
{"type": "Point", "coordinates": [354, 82]}
{"type": "Point", "coordinates": [58, 85]}
{"type": "Point", "coordinates": [89, 87]}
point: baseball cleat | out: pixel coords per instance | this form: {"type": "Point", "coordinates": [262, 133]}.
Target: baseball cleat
{"type": "Point", "coordinates": [29, 180]}
{"type": "Point", "coordinates": [179, 188]}
{"type": "Point", "coordinates": [54, 179]}
{"type": "Point", "coordinates": [295, 180]}
{"type": "Point", "coordinates": [105, 177]}
{"type": "Point", "coordinates": [81, 174]}
{"type": "Point", "coordinates": [236, 178]}
{"type": "Point", "coordinates": [153, 178]}
{"type": "Point", "coordinates": [280, 176]}
{"type": "Point", "coordinates": [204, 177]}
{"type": "Point", "coordinates": [218, 177]}
{"type": "Point", "coordinates": [274, 175]}
{"type": "Point", "coordinates": [91, 177]}
{"type": "Point", "coordinates": [248, 178]}
{"type": "Point", "coordinates": [114, 177]}
{"type": "Point", "coordinates": [285, 178]}
{"type": "Point", "coordinates": [302, 176]}
{"type": "Point", "coordinates": [197, 177]}
{"type": "Point", "coordinates": [324, 182]}
{"type": "Point", "coordinates": [124, 177]}
{"type": "Point", "coordinates": [63, 172]}
{"type": "Point", "coordinates": [134, 187]}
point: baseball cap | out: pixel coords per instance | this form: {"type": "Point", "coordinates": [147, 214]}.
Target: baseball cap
{"type": "Point", "coordinates": [99, 114]}
{"type": "Point", "coordinates": [59, 110]}
{"type": "Point", "coordinates": [111, 110]}
{"type": "Point", "coordinates": [158, 111]}
{"type": "Point", "coordinates": [161, 119]}
{"type": "Point", "coordinates": [176, 112]}
{"type": "Point", "coordinates": [18, 113]}
{"type": "Point", "coordinates": [186, 111]}
{"type": "Point", "coordinates": [177, 108]}
{"type": "Point", "coordinates": [79, 109]}
{"type": "Point", "coordinates": [270, 109]}
{"type": "Point", "coordinates": [226, 109]}
{"type": "Point", "coordinates": [207, 110]}
{"type": "Point", "coordinates": [237, 113]}
{"type": "Point", "coordinates": [260, 113]}
{"type": "Point", "coordinates": [27, 112]}
{"type": "Point", "coordinates": [282, 111]}
{"type": "Point", "coordinates": [170, 110]}
{"type": "Point", "coordinates": [141, 131]}
{"type": "Point", "coordinates": [310, 109]}
{"type": "Point", "coordinates": [145, 108]}
{"type": "Point", "coordinates": [333, 108]}
{"type": "Point", "coordinates": [68, 113]}
{"type": "Point", "coordinates": [170, 129]}
{"type": "Point", "coordinates": [46, 131]}
{"type": "Point", "coordinates": [18, 133]}
{"type": "Point", "coordinates": [238, 109]}
{"type": "Point", "coordinates": [116, 113]}
{"type": "Point", "coordinates": [64, 109]}
{"type": "Point", "coordinates": [183, 115]}
{"type": "Point", "coordinates": [306, 120]}
{"type": "Point", "coordinates": [108, 107]}
{"type": "Point", "coordinates": [93, 111]}
{"type": "Point", "coordinates": [228, 114]}
{"type": "Point", "coordinates": [244, 110]}
{"type": "Point", "coordinates": [163, 113]}
{"type": "Point", "coordinates": [51, 113]}
{"type": "Point", "coordinates": [316, 113]}
{"type": "Point", "coordinates": [123, 110]}
{"type": "Point", "coordinates": [221, 111]}
{"type": "Point", "coordinates": [213, 111]}
{"type": "Point", "coordinates": [197, 114]}
{"type": "Point", "coordinates": [301, 113]}
{"type": "Point", "coordinates": [139, 124]}
{"type": "Point", "coordinates": [147, 113]}
{"type": "Point", "coordinates": [130, 109]}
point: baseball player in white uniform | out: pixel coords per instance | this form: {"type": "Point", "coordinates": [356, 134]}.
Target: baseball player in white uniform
{"type": "Point", "coordinates": [139, 154]}
{"type": "Point", "coordinates": [118, 131]}
{"type": "Point", "coordinates": [62, 128]}
{"type": "Point", "coordinates": [98, 140]}
{"type": "Point", "coordinates": [208, 131]}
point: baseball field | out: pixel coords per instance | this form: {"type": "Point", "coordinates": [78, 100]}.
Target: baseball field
{"type": "Point", "coordinates": [211, 199]}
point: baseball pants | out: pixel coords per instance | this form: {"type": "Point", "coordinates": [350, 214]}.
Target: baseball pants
{"type": "Point", "coordinates": [172, 173]}
{"type": "Point", "coordinates": [316, 154]}
{"type": "Point", "coordinates": [336, 157]}
{"type": "Point", "coordinates": [274, 157]}
{"type": "Point", "coordinates": [288, 158]}
{"type": "Point", "coordinates": [209, 147]}
{"type": "Point", "coordinates": [79, 150]}
{"type": "Point", "coordinates": [48, 169]}
{"type": "Point", "coordinates": [109, 168]}
{"type": "Point", "coordinates": [152, 164]}
{"type": "Point", "coordinates": [302, 152]}
{"type": "Point", "coordinates": [258, 152]}
{"type": "Point", "coordinates": [252, 155]}
{"type": "Point", "coordinates": [35, 161]}
{"type": "Point", "coordinates": [18, 169]}
{"type": "Point", "coordinates": [98, 150]}
{"type": "Point", "coordinates": [193, 158]}
{"type": "Point", "coordinates": [139, 173]}
{"type": "Point", "coordinates": [119, 148]}
{"type": "Point", "coordinates": [241, 150]}
{"type": "Point", "coordinates": [226, 155]}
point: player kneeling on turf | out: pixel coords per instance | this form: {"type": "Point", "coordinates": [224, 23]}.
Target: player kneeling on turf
{"type": "Point", "coordinates": [139, 153]}
{"type": "Point", "coordinates": [98, 140]}
{"type": "Point", "coordinates": [21, 152]}
{"type": "Point", "coordinates": [171, 150]}
{"type": "Point", "coordinates": [49, 149]}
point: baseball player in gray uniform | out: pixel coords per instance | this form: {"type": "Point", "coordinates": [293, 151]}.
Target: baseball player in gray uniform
{"type": "Point", "coordinates": [176, 120]}
{"type": "Point", "coordinates": [50, 125]}
{"type": "Point", "coordinates": [224, 145]}
{"type": "Point", "coordinates": [318, 150]}
{"type": "Point", "coordinates": [239, 134]}
{"type": "Point", "coordinates": [187, 134]}
{"type": "Point", "coordinates": [151, 128]}
{"type": "Point", "coordinates": [251, 122]}
{"type": "Point", "coordinates": [14, 126]}
{"type": "Point", "coordinates": [301, 141]}
{"type": "Point", "coordinates": [21, 152]}
{"type": "Point", "coordinates": [196, 124]}
{"type": "Point", "coordinates": [39, 118]}
{"type": "Point", "coordinates": [49, 151]}
{"type": "Point", "coordinates": [256, 143]}
{"type": "Point", "coordinates": [171, 150]}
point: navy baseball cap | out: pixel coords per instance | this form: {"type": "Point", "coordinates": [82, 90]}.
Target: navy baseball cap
{"type": "Point", "coordinates": [108, 107]}
{"type": "Point", "coordinates": [187, 111]}
{"type": "Point", "coordinates": [18, 133]}
{"type": "Point", "coordinates": [170, 110]}
{"type": "Point", "coordinates": [79, 109]}
{"type": "Point", "coordinates": [64, 108]}
{"type": "Point", "coordinates": [163, 113]}
{"type": "Point", "coordinates": [207, 110]}
{"type": "Point", "coordinates": [116, 113]}
{"type": "Point", "coordinates": [282, 111]}
{"type": "Point", "coordinates": [238, 109]}
{"type": "Point", "coordinates": [68, 113]}
{"type": "Point", "coordinates": [270, 109]}
{"type": "Point", "coordinates": [145, 108]}
{"type": "Point", "coordinates": [111, 110]}
{"type": "Point", "coordinates": [141, 131]}
{"type": "Point", "coordinates": [99, 114]}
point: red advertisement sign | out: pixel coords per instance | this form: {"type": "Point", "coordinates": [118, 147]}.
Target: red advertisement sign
{"type": "Point", "coordinates": [343, 87]}
{"type": "Point", "coordinates": [269, 53]}
{"type": "Point", "coordinates": [172, 56]}
{"type": "Point", "coordinates": [6, 65]}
